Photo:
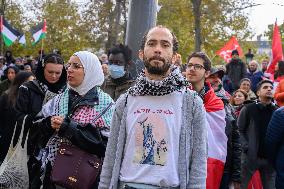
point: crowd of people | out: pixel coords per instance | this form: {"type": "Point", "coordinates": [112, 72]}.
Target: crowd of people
{"type": "Point", "coordinates": [151, 123]}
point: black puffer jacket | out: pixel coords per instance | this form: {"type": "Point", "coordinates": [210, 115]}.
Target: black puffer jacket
{"type": "Point", "coordinates": [86, 137]}
{"type": "Point", "coordinates": [29, 102]}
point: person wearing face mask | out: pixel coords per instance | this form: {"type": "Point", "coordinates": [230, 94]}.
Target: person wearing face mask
{"type": "Point", "coordinates": [119, 79]}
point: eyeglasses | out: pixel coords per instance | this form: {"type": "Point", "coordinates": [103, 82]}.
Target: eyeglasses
{"type": "Point", "coordinates": [75, 66]}
{"type": "Point", "coordinates": [195, 66]}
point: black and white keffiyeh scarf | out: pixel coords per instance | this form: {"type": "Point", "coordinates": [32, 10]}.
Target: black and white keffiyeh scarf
{"type": "Point", "coordinates": [173, 82]}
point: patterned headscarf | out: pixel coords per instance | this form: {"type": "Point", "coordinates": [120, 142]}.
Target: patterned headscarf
{"type": "Point", "coordinates": [94, 75]}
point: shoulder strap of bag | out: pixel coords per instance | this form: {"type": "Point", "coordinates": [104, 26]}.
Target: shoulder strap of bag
{"type": "Point", "coordinates": [103, 112]}
{"type": "Point", "coordinates": [11, 147]}
{"type": "Point", "coordinates": [22, 131]}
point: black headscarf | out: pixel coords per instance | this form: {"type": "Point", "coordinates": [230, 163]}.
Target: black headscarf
{"type": "Point", "coordinates": [53, 87]}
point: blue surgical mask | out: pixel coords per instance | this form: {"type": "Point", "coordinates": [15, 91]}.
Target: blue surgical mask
{"type": "Point", "coordinates": [116, 71]}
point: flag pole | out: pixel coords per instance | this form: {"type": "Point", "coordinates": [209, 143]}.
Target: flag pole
{"type": "Point", "coordinates": [213, 57]}
{"type": "Point", "coordinates": [41, 49]}
{"type": "Point", "coordinates": [2, 41]}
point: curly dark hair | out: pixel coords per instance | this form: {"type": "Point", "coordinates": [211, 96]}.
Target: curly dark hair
{"type": "Point", "coordinates": [120, 48]}
{"type": "Point", "coordinates": [175, 41]}
{"type": "Point", "coordinates": [204, 57]}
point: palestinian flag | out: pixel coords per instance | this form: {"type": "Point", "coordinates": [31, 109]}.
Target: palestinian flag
{"type": "Point", "coordinates": [8, 33]}
{"type": "Point", "coordinates": [22, 39]}
{"type": "Point", "coordinates": [38, 32]}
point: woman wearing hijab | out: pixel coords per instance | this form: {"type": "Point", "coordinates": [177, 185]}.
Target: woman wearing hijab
{"type": "Point", "coordinates": [50, 80]}
{"type": "Point", "coordinates": [73, 113]}
{"type": "Point", "coordinates": [7, 111]}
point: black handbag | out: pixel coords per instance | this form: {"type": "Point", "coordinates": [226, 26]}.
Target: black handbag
{"type": "Point", "coordinates": [75, 168]}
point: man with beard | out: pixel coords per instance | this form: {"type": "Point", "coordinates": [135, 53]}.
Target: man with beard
{"type": "Point", "coordinates": [254, 74]}
{"type": "Point", "coordinates": [253, 122]}
{"type": "Point", "coordinates": [197, 70]}
{"type": "Point", "coordinates": [236, 70]}
{"type": "Point", "coordinates": [158, 133]}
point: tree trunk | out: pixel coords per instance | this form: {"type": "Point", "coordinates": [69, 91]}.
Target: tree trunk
{"type": "Point", "coordinates": [117, 13]}
{"type": "Point", "coordinates": [111, 17]}
{"type": "Point", "coordinates": [196, 5]}
{"type": "Point", "coordinates": [124, 8]}
{"type": "Point", "coordinates": [142, 16]}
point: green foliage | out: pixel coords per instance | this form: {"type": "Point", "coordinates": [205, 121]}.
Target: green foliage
{"type": "Point", "coordinates": [93, 24]}
{"type": "Point", "coordinates": [64, 27]}
{"type": "Point", "coordinates": [65, 30]}
{"type": "Point", "coordinates": [269, 32]}
{"type": "Point", "coordinates": [101, 23]}
{"type": "Point", "coordinates": [14, 15]}
{"type": "Point", "coordinates": [219, 21]}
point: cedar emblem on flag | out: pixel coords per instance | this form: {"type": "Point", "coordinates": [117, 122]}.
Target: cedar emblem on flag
{"type": "Point", "coordinates": [226, 51]}
{"type": "Point", "coordinates": [38, 32]}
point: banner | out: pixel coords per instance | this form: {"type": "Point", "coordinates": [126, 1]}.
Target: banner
{"type": "Point", "coordinates": [226, 51]}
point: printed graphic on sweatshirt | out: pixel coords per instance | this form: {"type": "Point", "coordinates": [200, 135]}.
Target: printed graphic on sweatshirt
{"type": "Point", "coordinates": [151, 141]}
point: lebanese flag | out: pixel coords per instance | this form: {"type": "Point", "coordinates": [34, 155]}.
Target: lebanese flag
{"type": "Point", "coordinates": [226, 51]}
{"type": "Point", "coordinates": [38, 32]}
{"type": "Point", "coordinates": [9, 34]}
{"type": "Point", "coordinates": [277, 53]}
{"type": "Point", "coordinates": [217, 139]}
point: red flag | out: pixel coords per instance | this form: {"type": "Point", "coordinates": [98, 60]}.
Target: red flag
{"type": "Point", "coordinates": [44, 26]}
{"type": "Point", "coordinates": [277, 53]}
{"type": "Point", "coordinates": [226, 51]}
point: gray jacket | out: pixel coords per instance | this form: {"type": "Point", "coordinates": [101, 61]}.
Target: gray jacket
{"type": "Point", "coordinates": [192, 148]}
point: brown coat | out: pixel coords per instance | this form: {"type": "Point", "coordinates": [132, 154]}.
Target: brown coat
{"type": "Point", "coordinates": [116, 89]}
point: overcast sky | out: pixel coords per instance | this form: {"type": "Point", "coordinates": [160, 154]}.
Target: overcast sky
{"type": "Point", "coordinates": [265, 14]}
